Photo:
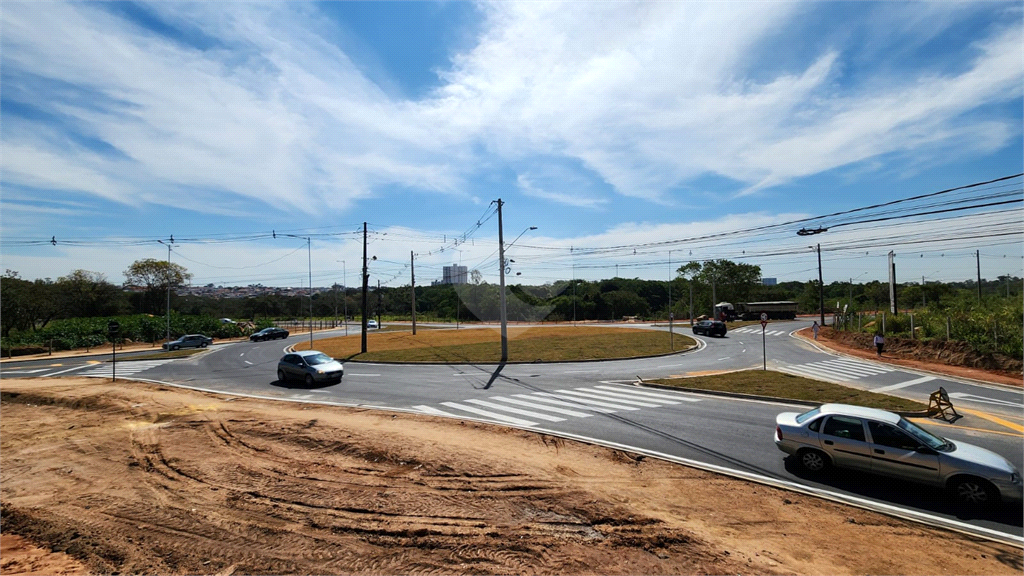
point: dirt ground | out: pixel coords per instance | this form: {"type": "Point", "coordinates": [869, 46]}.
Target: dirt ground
{"type": "Point", "coordinates": [101, 477]}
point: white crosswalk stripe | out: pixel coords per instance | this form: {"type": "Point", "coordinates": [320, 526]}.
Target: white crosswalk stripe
{"type": "Point", "coordinates": [837, 370]}
{"type": "Point", "coordinates": [757, 330]}
{"type": "Point", "coordinates": [128, 368]}
{"type": "Point", "coordinates": [556, 406]}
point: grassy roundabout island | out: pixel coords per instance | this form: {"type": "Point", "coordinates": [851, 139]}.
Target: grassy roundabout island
{"type": "Point", "coordinates": [483, 345]}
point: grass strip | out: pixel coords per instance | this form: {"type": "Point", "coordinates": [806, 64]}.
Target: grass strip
{"type": "Point", "coordinates": [483, 345]}
{"type": "Point", "coordinates": [781, 385]}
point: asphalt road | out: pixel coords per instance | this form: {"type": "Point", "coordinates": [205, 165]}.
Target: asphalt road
{"type": "Point", "coordinates": [597, 401]}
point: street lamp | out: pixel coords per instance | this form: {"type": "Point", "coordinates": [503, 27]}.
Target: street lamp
{"type": "Point", "coordinates": [167, 278]}
{"type": "Point", "coordinates": [501, 271]}
{"type": "Point", "coordinates": [821, 288]}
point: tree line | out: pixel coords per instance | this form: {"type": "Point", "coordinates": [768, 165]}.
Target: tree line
{"type": "Point", "coordinates": [29, 305]}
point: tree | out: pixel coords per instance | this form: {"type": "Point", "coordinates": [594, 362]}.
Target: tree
{"type": "Point", "coordinates": [722, 280]}
{"type": "Point", "coordinates": [157, 276]}
{"type": "Point", "coordinates": [84, 294]}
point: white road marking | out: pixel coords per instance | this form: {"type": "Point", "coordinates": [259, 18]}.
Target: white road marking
{"type": "Point", "coordinates": [904, 384]}
{"type": "Point", "coordinates": [519, 411]}
{"type": "Point", "coordinates": [370, 375]}
{"type": "Point", "coordinates": [584, 400]}
{"type": "Point", "coordinates": [628, 398]}
{"type": "Point", "coordinates": [502, 417]}
{"type": "Point", "coordinates": [541, 398]}
{"type": "Point", "coordinates": [650, 394]}
{"type": "Point", "coordinates": [579, 371]}
{"type": "Point", "coordinates": [982, 399]}
{"type": "Point", "coordinates": [537, 406]}
{"type": "Point", "coordinates": [68, 370]}
{"type": "Point", "coordinates": [25, 371]}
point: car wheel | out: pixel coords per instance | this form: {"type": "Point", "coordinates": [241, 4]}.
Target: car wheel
{"type": "Point", "coordinates": [972, 492]}
{"type": "Point", "coordinates": [309, 379]}
{"type": "Point", "coordinates": [281, 376]}
{"type": "Point", "coordinates": [203, 345]}
{"type": "Point", "coordinates": [175, 347]}
{"type": "Point", "coordinates": [813, 461]}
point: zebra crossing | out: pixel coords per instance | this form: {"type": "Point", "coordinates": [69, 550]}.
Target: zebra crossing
{"type": "Point", "coordinates": [556, 406]}
{"type": "Point", "coordinates": [128, 368]}
{"type": "Point", "coordinates": [837, 370]}
{"type": "Point", "coordinates": [755, 330]}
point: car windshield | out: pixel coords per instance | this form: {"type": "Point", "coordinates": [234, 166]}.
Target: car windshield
{"type": "Point", "coordinates": [923, 436]}
{"type": "Point", "coordinates": [803, 417]}
{"type": "Point", "coordinates": [319, 358]}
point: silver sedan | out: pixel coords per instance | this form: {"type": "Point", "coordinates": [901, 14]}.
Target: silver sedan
{"type": "Point", "coordinates": [881, 442]}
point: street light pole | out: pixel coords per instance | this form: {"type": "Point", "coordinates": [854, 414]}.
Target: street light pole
{"type": "Point", "coordinates": [501, 284]}
{"type": "Point", "coordinates": [821, 291]}
{"type": "Point", "coordinates": [671, 334]}
{"type": "Point", "coordinates": [168, 280]}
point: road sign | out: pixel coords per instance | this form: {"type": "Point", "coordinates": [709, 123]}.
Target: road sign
{"type": "Point", "coordinates": [113, 327]}
{"type": "Point", "coordinates": [764, 316]}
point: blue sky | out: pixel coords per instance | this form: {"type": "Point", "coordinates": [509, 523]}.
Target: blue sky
{"type": "Point", "coordinates": [625, 132]}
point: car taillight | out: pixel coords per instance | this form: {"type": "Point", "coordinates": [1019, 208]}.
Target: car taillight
{"type": "Point", "coordinates": [778, 432]}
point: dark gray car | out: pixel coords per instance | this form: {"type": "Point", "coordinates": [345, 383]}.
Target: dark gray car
{"type": "Point", "coordinates": [188, 341]}
{"type": "Point", "coordinates": [310, 366]}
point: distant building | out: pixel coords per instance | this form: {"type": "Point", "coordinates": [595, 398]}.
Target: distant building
{"type": "Point", "coordinates": [769, 281]}
{"type": "Point", "coordinates": [455, 274]}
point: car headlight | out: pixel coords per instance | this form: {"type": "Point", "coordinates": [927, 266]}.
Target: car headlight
{"type": "Point", "coordinates": [319, 371]}
{"type": "Point", "coordinates": [1015, 478]}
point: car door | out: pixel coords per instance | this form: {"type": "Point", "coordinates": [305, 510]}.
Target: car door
{"type": "Point", "coordinates": [844, 439]}
{"type": "Point", "coordinates": [894, 453]}
{"type": "Point", "coordinates": [291, 366]}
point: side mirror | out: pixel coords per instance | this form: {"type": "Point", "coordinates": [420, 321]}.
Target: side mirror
{"type": "Point", "coordinates": [924, 450]}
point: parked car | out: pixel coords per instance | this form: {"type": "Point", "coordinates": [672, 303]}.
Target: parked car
{"type": "Point", "coordinates": [884, 443]}
{"type": "Point", "coordinates": [372, 324]}
{"type": "Point", "coordinates": [271, 333]}
{"type": "Point", "coordinates": [311, 366]}
{"type": "Point", "coordinates": [710, 328]}
{"type": "Point", "coordinates": [188, 341]}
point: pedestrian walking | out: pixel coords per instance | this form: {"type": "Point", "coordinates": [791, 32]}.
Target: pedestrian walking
{"type": "Point", "coordinates": [815, 328]}
{"type": "Point", "coordinates": [879, 343]}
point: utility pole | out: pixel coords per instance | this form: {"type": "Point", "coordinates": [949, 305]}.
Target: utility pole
{"type": "Point", "coordinates": [309, 254]}
{"type": "Point", "coordinates": [671, 334]}
{"type": "Point", "coordinates": [412, 272]}
{"type": "Point", "coordinates": [976, 255]}
{"type": "Point", "coordinates": [366, 288]}
{"type": "Point", "coordinates": [501, 287]}
{"type": "Point", "coordinates": [378, 304]}
{"type": "Point", "coordinates": [821, 291]}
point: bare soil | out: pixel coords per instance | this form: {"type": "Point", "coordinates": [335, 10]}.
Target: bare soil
{"type": "Point", "coordinates": [122, 477]}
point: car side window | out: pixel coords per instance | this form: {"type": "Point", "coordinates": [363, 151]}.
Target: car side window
{"type": "Point", "coordinates": [885, 435]}
{"type": "Point", "coordinates": [844, 427]}
{"type": "Point", "coordinates": [815, 426]}
{"type": "Point", "coordinates": [291, 359]}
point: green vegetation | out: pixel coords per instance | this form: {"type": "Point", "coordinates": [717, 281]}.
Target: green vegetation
{"type": "Point", "coordinates": [483, 345]}
{"type": "Point", "coordinates": [780, 385]}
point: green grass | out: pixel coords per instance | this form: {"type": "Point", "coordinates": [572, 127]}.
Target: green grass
{"type": "Point", "coordinates": [779, 385]}
{"type": "Point", "coordinates": [483, 345]}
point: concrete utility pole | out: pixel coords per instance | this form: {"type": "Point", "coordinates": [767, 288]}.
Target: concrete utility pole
{"type": "Point", "coordinates": [366, 288]}
{"type": "Point", "coordinates": [821, 291]}
{"type": "Point", "coordinates": [501, 287]}
{"type": "Point", "coordinates": [412, 272]}
{"type": "Point", "coordinates": [976, 255]}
